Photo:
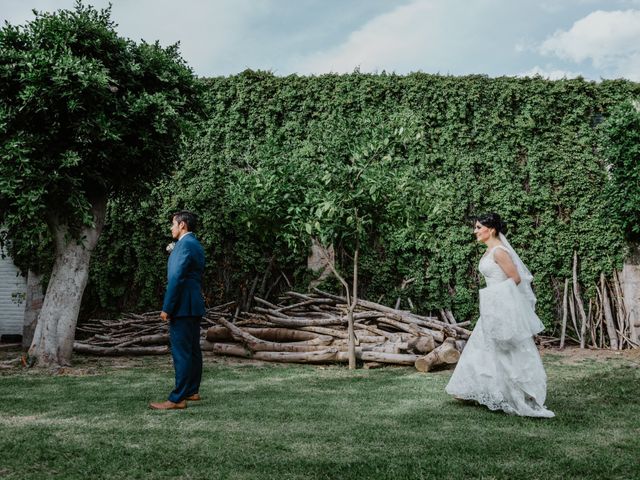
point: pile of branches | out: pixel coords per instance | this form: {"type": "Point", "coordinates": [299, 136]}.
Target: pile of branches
{"type": "Point", "coordinates": [605, 323]}
{"type": "Point", "coordinates": [302, 328]}
{"type": "Point", "coordinates": [132, 334]}
{"type": "Point", "coordinates": [312, 328]}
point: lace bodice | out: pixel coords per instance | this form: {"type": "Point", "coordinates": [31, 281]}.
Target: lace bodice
{"type": "Point", "coordinates": [490, 269]}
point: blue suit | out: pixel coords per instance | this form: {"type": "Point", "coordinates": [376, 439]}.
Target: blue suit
{"type": "Point", "coordinates": [184, 304]}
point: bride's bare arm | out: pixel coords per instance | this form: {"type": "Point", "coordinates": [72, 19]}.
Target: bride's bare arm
{"type": "Point", "coordinates": [503, 259]}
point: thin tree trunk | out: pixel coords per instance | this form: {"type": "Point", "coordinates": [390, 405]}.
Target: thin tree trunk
{"type": "Point", "coordinates": [592, 326]}
{"type": "Point", "coordinates": [572, 312]}
{"type": "Point", "coordinates": [352, 307]}
{"type": "Point", "coordinates": [263, 285]}
{"type": "Point", "coordinates": [351, 303]}
{"type": "Point", "coordinates": [578, 297]}
{"type": "Point", "coordinates": [252, 292]}
{"type": "Point", "coordinates": [55, 331]}
{"type": "Point", "coordinates": [608, 315]}
{"type": "Point", "coordinates": [563, 330]}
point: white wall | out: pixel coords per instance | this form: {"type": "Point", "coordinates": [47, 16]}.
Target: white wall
{"type": "Point", "coordinates": [13, 287]}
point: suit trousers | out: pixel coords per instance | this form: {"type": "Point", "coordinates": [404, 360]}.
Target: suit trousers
{"type": "Point", "coordinates": [184, 333]}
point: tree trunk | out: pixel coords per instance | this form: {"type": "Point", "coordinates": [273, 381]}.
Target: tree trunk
{"type": "Point", "coordinates": [52, 344]}
{"type": "Point", "coordinates": [352, 307]}
{"type": "Point", "coordinates": [34, 299]}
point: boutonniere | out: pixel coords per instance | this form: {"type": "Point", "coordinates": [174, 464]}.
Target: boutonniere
{"type": "Point", "coordinates": [171, 246]}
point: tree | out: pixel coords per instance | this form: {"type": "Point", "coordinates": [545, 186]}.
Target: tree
{"type": "Point", "coordinates": [86, 116]}
{"type": "Point", "coordinates": [360, 189]}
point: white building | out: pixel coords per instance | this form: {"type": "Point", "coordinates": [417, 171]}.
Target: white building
{"type": "Point", "coordinates": [13, 288]}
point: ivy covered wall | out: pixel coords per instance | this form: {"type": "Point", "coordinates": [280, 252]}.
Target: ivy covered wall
{"type": "Point", "coordinates": [440, 149]}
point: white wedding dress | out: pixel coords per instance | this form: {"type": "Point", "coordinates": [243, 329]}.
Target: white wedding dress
{"type": "Point", "coordinates": [500, 366]}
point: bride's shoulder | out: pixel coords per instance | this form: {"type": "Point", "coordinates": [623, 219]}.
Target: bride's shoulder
{"type": "Point", "coordinates": [500, 251]}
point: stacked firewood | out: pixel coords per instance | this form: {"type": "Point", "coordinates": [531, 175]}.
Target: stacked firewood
{"type": "Point", "coordinates": [132, 334]}
{"type": "Point", "coordinates": [312, 328]}
{"type": "Point", "coordinates": [301, 328]}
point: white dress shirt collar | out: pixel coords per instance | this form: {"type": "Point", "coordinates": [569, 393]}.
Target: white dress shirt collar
{"type": "Point", "coordinates": [184, 235]}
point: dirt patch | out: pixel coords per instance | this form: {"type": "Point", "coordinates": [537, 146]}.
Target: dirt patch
{"type": "Point", "coordinates": [576, 354]}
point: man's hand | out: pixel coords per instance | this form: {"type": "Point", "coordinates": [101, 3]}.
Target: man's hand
{"type": "Point", "coordinates": [164, 316]}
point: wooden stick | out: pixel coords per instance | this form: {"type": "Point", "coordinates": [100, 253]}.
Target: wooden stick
{"type": "Point", "coordinates": [326, 331]}
{"type": "Point", "coordinates": [623, 322]}
{"type": "Point", "coordinates": [578, 298]}
{"type": "Point", "coordinates": [592, 326]}
{"type": "Point", "coordinates": [375, 330]}
{"type": "Point", "coordinates": [608, 315]}
{"type": "Point", "coordinates": [401, 315]}
{"type": "Point", "coordinates": [563, 330]}
{"type": "Point", "coordinates": [273, 285]}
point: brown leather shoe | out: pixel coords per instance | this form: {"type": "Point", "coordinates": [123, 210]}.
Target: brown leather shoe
{"type": "Point", "coordinates": [168, 405]}
{"type": "Point", "coordinates": [194, 398]}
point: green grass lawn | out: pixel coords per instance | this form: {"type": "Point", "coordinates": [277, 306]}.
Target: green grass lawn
{"type": "Point", "coordinates": [289, 421]}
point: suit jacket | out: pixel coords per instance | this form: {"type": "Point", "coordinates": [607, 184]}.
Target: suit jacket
{"type": "Point", "coordinates": [185, 267]}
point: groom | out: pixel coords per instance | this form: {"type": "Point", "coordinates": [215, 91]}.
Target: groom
{"type": "Point", "coordinates": [183, 308]}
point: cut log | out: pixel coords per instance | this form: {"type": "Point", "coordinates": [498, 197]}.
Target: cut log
{"type": "Point", "coordinates": [326, 355]}
{"type": "Point", "coordinates": [305, 322]}
{"type": "Point", "coordinates": [221, 334]}
{"type": "Point", "coordinates": [423, 344]}
{"type": "Point", "coordinates": [85, 348]}
{"type": "Point", "coordinates": [381, 357]}
{"type": "Point", "coordinates": [460, 344]}
{"type": "Point", "coordinates": [158, 339]}
{"type": "Point", "coordinates": [444, 354]}
{"type": "Point", "coordinates": [257, 345]}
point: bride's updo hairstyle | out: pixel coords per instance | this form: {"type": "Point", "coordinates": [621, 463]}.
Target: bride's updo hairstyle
{"type": "Point", "coordinates": [492, 220]}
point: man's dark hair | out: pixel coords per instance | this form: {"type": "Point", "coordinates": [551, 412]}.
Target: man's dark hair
{"type": "Point", "coordinates": [187, 217]}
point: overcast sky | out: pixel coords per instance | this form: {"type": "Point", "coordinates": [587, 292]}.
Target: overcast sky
{"type": "Point", "coordinates": [554, 38]}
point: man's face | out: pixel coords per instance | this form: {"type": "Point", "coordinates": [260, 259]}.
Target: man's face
{"type": "Point", "coordinates": [175, 229]}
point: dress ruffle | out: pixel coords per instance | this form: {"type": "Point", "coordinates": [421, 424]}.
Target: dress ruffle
{"type": "Point", "coordinates": [508, 316]}
{"type": "Point", "coordinates": [508, 377]}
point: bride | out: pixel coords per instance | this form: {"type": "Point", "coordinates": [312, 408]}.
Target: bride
{"type": "Point", "coordinates": [500, 366]}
